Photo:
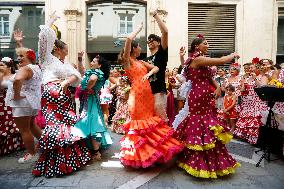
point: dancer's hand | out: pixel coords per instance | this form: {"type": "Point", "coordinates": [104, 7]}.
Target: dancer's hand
{"type": "Point", "coordinates": [182, 51]}
{"type": "Point", "coordinates": [145, 77]}
{"type": "Point", "coordinates": [235, 55]}
{"type": "Point", "coordinates": [217, 92]}
{"type": "Point", "coordinates": [18, 35]}
{"type": "Point", "coordinates": [154, 12]}
{"type": "Point", "coordinates": [81, 54]}
{"type": "Point", "coordinates": [90, 91]}
{"type": "Point", "coordinates": [53, 17]}
{"type": "Point", "coordinates": [64, 84]}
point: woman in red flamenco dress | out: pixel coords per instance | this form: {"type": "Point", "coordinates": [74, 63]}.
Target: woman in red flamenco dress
{"type": "Point", "coordinates": [148, 139]}
{"type": "Point", "coordinates": [205, 154]}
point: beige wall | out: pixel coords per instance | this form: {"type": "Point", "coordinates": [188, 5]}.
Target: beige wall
{"type": "Point", "coordinates": [255, 29]}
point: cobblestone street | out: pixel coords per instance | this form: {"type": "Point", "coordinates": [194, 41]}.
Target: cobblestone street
{"type": "Point", "coordinates": [109, 173]}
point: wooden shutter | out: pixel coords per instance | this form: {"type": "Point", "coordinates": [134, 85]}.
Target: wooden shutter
{"type": "Point", "coordinates": [281, 11]}
{"type": "Point", "coordinates": [216, 22]}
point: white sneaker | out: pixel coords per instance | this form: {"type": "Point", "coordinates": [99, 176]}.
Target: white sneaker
{"type": "Point", "coordinates": [27, 158]}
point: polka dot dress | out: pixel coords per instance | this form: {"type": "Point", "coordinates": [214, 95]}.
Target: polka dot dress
{"type": "Point", "coordinates": [10, 138]}
{"type": "Point", "coordinates": [204, 136]}
{"type": "Point", "coordinates": [62, 152]}
{"type": "Point", "coordinates": [247, 126]}
{"type": "Point", "coordinates": [147, 138]}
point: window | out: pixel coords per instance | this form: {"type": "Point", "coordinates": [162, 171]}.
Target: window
{"type": "Point", "coordinates": [215, 22]}
{"type": "Point", "coordinates": [280, 31]}
{"type": "Point", "coordinates": [280, 37]}
{"type": "Point", "coordinates": [34, 17]}
{"type": "Point", "coordinates": [4, 25]}
{"type": "Point", "coordinates": [125, 23]}
{"type": "Point", "coordinates": [90, 17]}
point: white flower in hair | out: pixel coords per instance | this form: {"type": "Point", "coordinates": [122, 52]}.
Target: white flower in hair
{"type": "Point", "coordinates": [6, 59]}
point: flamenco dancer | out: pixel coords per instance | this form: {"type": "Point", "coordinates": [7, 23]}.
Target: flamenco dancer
{"type": "Point", "coordinates": [205, 155]}
{"type": "Point", "coordinates": [148, 139]}
{"type": "Point", "coordinates": [92, 124]}
{"type": "Point", "coordinates": [62, 152]}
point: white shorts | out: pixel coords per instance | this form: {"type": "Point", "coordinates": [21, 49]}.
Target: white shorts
{"type": "Point", "coordinates": [23, 111]}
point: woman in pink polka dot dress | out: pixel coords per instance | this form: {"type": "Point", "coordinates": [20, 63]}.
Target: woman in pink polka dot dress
{"type": "Point", "coordinates": [205, 155]}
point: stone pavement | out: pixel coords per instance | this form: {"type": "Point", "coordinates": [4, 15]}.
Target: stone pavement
{"type": "Point", "coordinates": [109, 173]}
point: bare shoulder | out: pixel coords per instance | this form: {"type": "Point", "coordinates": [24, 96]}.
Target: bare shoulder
{"type": "Point", "coordinates": [93, 77]}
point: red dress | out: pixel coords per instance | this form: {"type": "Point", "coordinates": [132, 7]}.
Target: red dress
{"type": "Point", "coordinates": [10, 138]}
{"type": "Point", "coordinates": [232, 113]}
{"type": "Point", "coordinates": [204, 136]}
{"type": "Point", "coordinates": [148, 139]}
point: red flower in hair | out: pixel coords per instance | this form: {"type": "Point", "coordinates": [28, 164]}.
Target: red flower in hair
{"type": "Point", "coordinates": [235, 64]}
{"type": "Point", "coordinates": [31, 55]}
{"type": "Point", "coordinates": [255, 60]}
{"type": "Point", "coordinates": [199, 36]}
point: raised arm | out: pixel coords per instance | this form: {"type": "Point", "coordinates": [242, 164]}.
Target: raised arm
{"type": "Point", "coordinates": [182, 52]}
{"type": "Point", "coordinates": [127, 46]}
{"type": "Point", "coordinates": [46, 39]}
{"type": "Point", "coordinates": [18, 37]}
{"type": "Point", "coordinates": [163, 29]}
{"type": "Point", "coordinates": [81, 68]}
{"type": "Point", "coordinates": [206, 61]}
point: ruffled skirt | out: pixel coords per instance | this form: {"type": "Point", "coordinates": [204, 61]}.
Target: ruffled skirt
{"type": "Point", "coordinates": [91, 123]}
{"type": "Point", "coordinates": [146, 142]}
{"type": "Point", "coordinates": [205, 155]}
{"type": "Point", "coordinates": [62, 152]}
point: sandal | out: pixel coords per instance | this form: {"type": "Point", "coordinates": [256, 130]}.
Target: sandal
{"type": "Point", "coordinates": [96, 155]}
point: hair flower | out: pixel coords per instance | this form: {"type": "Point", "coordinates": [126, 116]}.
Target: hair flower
{"type": "Point", "coordinates": [31, 55]}
{"type": "Point", "coordinates": [199, 36]}
{"type": "Point", "coordinates": [255, 60]}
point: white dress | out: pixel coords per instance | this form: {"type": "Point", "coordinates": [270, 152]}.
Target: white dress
{"type": "Point", "coordinates": [53, 69]}
{"type": "Point", "coordinates": [31, 90]}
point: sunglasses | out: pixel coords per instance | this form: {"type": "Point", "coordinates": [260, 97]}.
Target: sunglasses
{"type": "Point", "coordinates": [150, 41]}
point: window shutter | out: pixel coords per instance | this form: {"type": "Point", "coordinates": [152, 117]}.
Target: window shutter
{"type": "Point", "coordinates": [216, 22]}
{"type": "Point", "coordinates": [281, 11]}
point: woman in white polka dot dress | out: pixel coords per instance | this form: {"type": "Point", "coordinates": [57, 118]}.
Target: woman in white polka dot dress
{"type": "Point", "coordinates": [62, 152]}
{"type": "Point", "coordinates": [247, 126]}
{"type": "Point", "coordinates": [10, 138]}
{"type": "Point", "coordinates": [205, 154]}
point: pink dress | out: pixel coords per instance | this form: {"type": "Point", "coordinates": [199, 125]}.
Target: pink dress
{"type": "Point", "coordinates": [204, 136]}
{"type": "Point", "coordinates": [247, 126]}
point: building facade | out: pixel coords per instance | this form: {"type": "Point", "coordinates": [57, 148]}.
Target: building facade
{"type": "Point", "coordinates": [25, 15]}
{"type": "Point", "coordinates": [253, 28]}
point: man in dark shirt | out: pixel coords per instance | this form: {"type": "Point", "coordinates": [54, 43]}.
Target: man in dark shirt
{"type": "Point", "coordinates": [158, 47]}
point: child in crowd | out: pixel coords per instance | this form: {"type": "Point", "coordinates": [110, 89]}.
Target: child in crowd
{"type": "Point", "coordinates": [230, 113]}
{"type": "Point", "coordinates": [122, 114]}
